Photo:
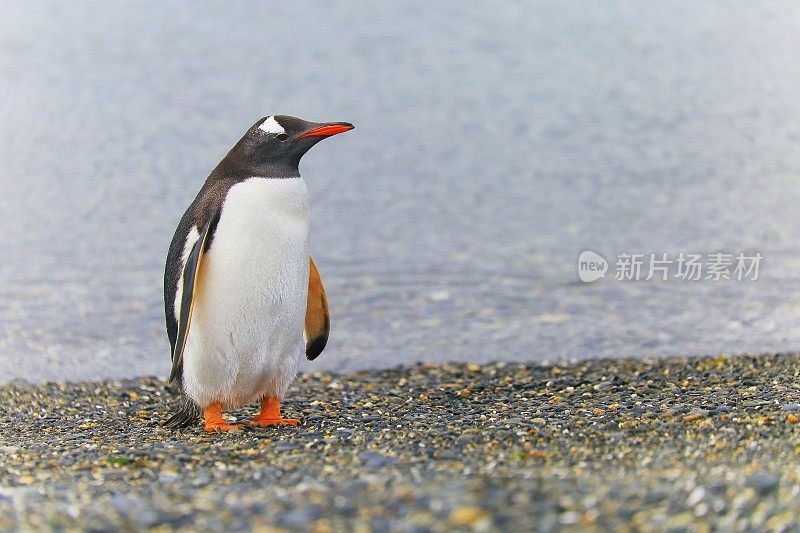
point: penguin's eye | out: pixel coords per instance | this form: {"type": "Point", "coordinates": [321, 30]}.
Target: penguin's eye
{"type": "Point", "coordinates": [281, 137]}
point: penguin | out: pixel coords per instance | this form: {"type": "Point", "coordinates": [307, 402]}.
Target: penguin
{"type": "Point", "coordinates": [242, 296]}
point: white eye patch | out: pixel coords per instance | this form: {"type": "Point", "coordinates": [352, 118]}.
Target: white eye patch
{"type": "Point", "coordinates": [271, 126]}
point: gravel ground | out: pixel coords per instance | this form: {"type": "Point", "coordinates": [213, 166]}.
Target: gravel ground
{"type": "Point", "coordinates": [681, 444]}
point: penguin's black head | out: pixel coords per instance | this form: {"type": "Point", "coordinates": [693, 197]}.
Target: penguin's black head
{"type": "Point", "coordinates": [273, 146]}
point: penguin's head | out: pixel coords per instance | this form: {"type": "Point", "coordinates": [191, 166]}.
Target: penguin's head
{"type": "Point", "coordinates": [273, 146]}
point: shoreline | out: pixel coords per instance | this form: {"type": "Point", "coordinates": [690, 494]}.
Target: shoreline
{"type": "Point", "coordinates": [679, 442]}
{"type": "Point", "coordinates": [312, 370]}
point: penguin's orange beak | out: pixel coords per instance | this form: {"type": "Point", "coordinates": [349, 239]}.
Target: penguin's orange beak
{"type": "Point", "coordinates": [326, 130]}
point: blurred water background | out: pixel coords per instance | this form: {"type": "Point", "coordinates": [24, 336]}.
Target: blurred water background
{"type": "Point", "coordinates": [494, 143]}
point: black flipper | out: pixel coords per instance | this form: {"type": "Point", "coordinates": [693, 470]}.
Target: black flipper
{"type": "Point", "coordinates": [189, 279]}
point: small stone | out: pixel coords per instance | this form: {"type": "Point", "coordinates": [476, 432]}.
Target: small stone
{"type": "Point", "coordinates": [569, 518]}
{"type": "Point", "coordinates": [375, 460]}
{"type": "Point", "coordinates": [696, 496]}
{"type": "Point", "coordinates": [680, 521]}
{"type": "Point", "coordinates": [302, 517]}
{"type": "Point", "coordinates": [763, 483]}
{"type": "Point", "coordinates": [466, 515]}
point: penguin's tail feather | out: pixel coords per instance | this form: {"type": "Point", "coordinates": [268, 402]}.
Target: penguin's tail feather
{"type": "Point", "coordinates": [187, 415]}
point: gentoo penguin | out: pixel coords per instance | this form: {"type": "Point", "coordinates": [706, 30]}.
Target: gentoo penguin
{"type": "Point", "coordinates": [240, 288]}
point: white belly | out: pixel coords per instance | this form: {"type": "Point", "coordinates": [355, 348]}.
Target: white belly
{"type": "Point", "coordinates": [246, 334]}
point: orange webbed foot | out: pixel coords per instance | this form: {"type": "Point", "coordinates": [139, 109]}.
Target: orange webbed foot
{"type": "Point", "coordinates": [266, 422]}
{"type": "Point", "coordinates": [218, 428]}
{"type": "Point", "coordinates": [214, 423]}
{"type": "Point", "coordinates": [270, 415]}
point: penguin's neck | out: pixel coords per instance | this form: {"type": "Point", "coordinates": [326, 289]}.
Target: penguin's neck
{"type": "Point", "coordinates": [277, 170]}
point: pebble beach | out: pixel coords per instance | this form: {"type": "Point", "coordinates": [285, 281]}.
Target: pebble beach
{"type": "Point", "coordinates": [682, 444]}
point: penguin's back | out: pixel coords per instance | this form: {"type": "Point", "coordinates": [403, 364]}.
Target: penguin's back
{"type": "Point", "coordinates": [246, 335]}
